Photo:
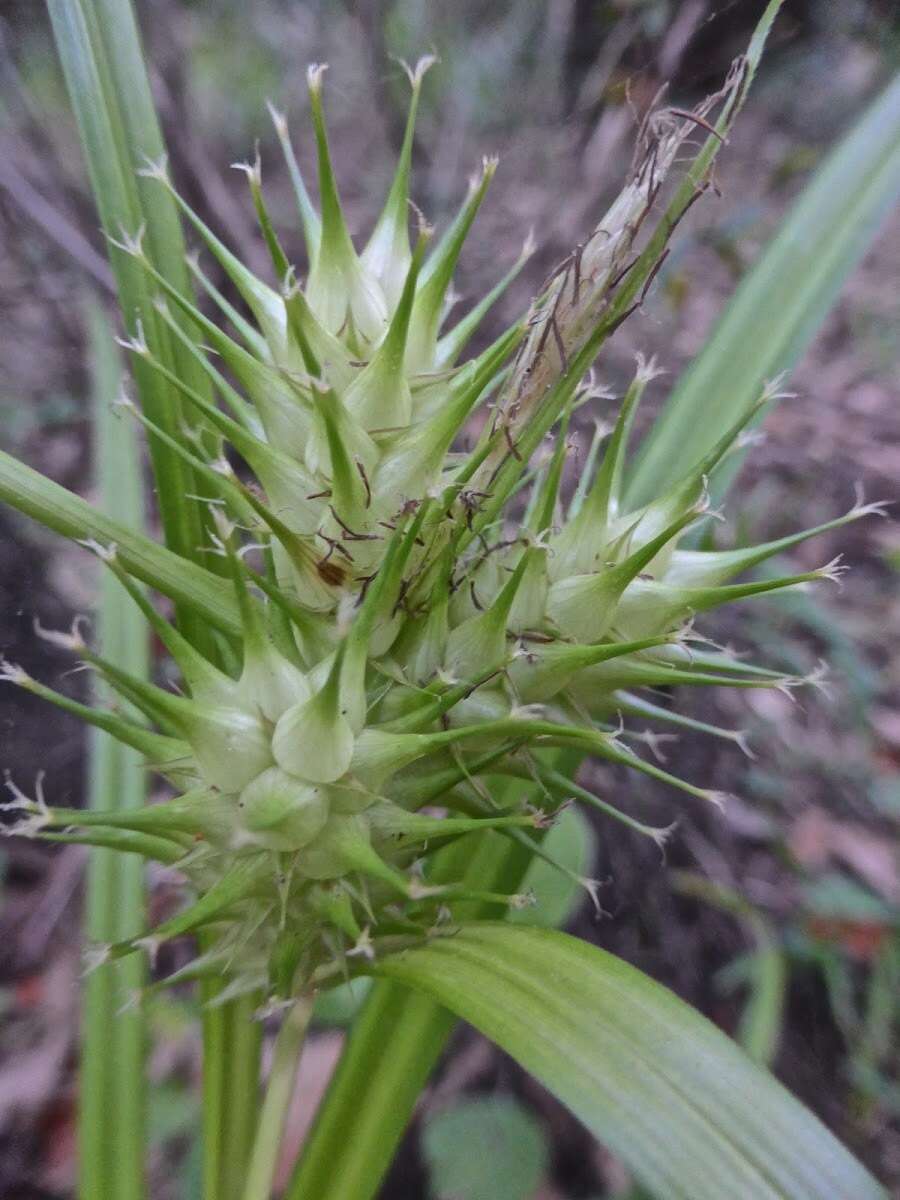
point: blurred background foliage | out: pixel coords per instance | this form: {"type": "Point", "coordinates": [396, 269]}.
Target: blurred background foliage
{"type": "Point", "coordinates": [780, 919]}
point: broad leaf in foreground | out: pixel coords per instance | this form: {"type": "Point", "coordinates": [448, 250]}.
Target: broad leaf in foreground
{"type": "Point", "coordinates": [670, 1094]}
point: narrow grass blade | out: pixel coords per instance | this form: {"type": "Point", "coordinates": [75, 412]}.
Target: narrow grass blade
{"type": "Point", "coordinates": [99, 46]}
{"type": "Point", "coordinates": [781, 302]}
{"type": "Point", "coordinates": [117, 126]}
{"type": "Point", "coordinates": [664, 1089]}
{"type": "Point", "coordinates": [111, 1096]}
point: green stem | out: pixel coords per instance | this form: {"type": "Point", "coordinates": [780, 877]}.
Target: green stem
{"type": "Point", "coordinates": [242, 1045]}
{"type": "Point", "coordinates": [111, 1102]}
{"type": "Point", "coordinates": [286, 1059]}
{"type": "Point", "coordinates": [213, 1087]}
{"type": "Point", "coordinates": [396, 1042]}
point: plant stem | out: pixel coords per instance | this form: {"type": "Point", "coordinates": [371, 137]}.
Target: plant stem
{"type": "Point", "coordinates": [395, 1043]}
{"type": "Point", "coordinates": [242, 1045]}
{"type": "Point", "coordinates": [285, 1061]}
{"type": "Point", "coordinates": [213, 1122]}
{"type": "Point", "coordinates": [111, 1102]}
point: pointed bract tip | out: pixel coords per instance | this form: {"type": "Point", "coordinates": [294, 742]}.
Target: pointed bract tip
{"type": "Point", "coordinates": [592, 887]}
{"type": "Point", "coordinates": [424, 228]}
{"type": "Point", "coordinates": [105, 553]}
{"type": "Point", "coordinates": [279, 120]}
{"type": "Point", "coordinates": [834, 571]}
{"type": "Point", "coordinates": [32, 815]}
{"type": "Point", "coordinates": [223, 467]}
{"type": "Point", "coordinates": [655, 741]}
{"type": "Point", "coordinates": [662, 836]}
{"type": "Point", "coordinates": [423, 891]}
{"type": "Point", "coordinates": [273, 1007]}
{"type": "Point", "coordinates": [700, 507]}
{"type": "Point", "coordinates": [416, 74]}
{"type": "Point", "coordinates": [290, 284]}
{"type": "Point", "coordinates": [772, 390]}
{"type": "Point", "coordinates": [747, 439]}
{"type": "Point", "coordinates": [314, 73]}
{"type": "Point", "coordinates": [137, 343]}
{"type": "Point", "coordinates": [124, 401]}
{"type": "Point", "coordinates": [817, 678]}
{"type": "Point", "coordinates": [363, 947]}
{"type": "Point", "coordinates": [156, 168]}
{"type": "Point", "coordinates": [741, 739]}
{"type": "Point", "coordinates": [224, 527]}
{"type": "Point", "coordinates": [57, 637]}
{"type": "Point", "coordinates": [12, 673]}
{"type": "Point", "coordinates": [719, 799]}
{"type": "Point", "coordinates": [874, 508]}
{"type": "Point", "coordinates": [95, 956]}
{"type": "Point", "coordinates": [130, 243]}
{"type": "Point", "coordinates": [253, 170]}
{"type": "Point", "coordinates": [646, 369]}
{"type": "Point", "coordinates": [150, 945]}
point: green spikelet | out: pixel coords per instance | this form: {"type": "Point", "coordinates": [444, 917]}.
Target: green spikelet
{"type": "Point", "coordinates": [413, 620]}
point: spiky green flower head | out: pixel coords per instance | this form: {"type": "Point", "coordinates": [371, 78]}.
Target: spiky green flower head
{"type": "Point", "coordinates": [418, 622]}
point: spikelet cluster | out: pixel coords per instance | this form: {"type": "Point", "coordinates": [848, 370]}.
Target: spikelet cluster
{"type": "Point", "coordinates": [418, 621]}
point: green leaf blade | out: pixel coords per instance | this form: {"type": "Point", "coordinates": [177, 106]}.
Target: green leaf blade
{"type": "Point", "coordinates": [99, 50]}
{"type": "Point", "coordinates": [679, 1102]}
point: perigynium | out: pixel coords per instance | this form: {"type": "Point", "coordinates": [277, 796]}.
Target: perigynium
{"type": "Point", "coordinates": [419, 620]}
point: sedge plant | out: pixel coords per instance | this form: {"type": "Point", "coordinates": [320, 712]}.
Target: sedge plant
{"type": "Point", "coordinates": [409, 635]}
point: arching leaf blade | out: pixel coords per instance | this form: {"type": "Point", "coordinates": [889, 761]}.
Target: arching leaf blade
{"type": "Point", "coordinates": [669, 1093]}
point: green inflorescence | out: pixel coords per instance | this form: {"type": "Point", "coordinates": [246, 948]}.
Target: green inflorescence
{"type": "Point", "coordinates": [418, 620]}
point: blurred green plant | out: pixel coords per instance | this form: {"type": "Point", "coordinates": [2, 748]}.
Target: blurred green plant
{"type": "Point", "coordinates": [485, 1148]}
{"type": "Point", "coordinates": [836, 929]}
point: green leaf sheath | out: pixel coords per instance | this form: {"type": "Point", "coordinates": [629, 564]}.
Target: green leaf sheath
{"type": "Point", "coordinates": [664, 1089]}
{"type": "Point", "coordinates": [782, 301]}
